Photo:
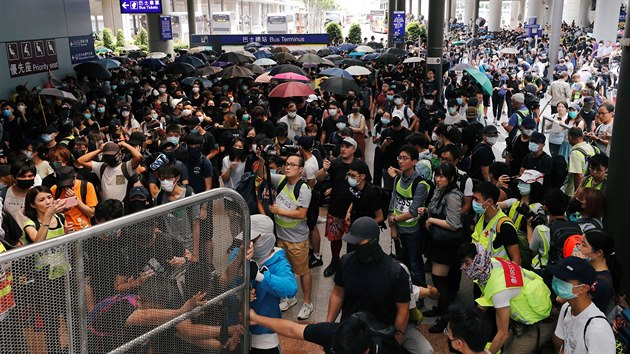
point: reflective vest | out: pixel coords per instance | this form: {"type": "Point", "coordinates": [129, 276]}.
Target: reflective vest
{"type": "Point", "coordinates": [589, 184]}
{"type": "Point", "coordinates": [516, 217]}
{"type": "Point", "coordinates": [404, 200]}
{"type": "Point", "coordinates": [7, 299]}
{"type": "Point", "coordinates": [485, 235]}
{"type": "Point", "coordinates": [540, 260]}
{"type": "Point", "coordinates": [531, 305]}
{"type": "Point", "coordinates": [284, 221]}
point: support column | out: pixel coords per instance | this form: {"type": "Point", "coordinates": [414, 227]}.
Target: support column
{"type": "Point", "coordinates": [514, 13]}
{"type": "Point", "coordinates": [554, 37]}
{"type": "Point", "coordinates": [469, 13]}
{"type": "Point", "coordinates": [494, 22]}
{"type": "Point", "coordinates": [390, 23]}
{"type": "Point", "coordinates": [419, 9]}
{"type": "Point", "coordinates": [447, 15]}
{"type": "Point", "coordinates": [435, 41]}
{"type": "Point", "coordinates": [153, 27]}
{"type": "Point", "coordinates": [400, 6]}
{"type": "Point", "coordinates": [606, 20]}
{"type": "Point", "coordinates": [453, 8]}
{"type": "Point", "coordinates": [585, 7]}
{"type": "Point", "coordinates": [534, 8]}
{"type": "Point", "coordinates": [192, 24]}
{"type": "Point", "coordinates": [521, 11]}
{"type": "Point", "coordinates": [112, 18]}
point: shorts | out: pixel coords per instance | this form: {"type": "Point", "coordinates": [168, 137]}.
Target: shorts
{"type": "Point", "coordinates": [335, 228]}
{"type": "Point", "coordinates": [486, 100]}
{"type": "Point", "coordinates": [297, 254]}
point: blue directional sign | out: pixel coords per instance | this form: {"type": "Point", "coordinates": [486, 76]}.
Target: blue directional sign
{"type": "Point", "coordinates": [399, 27]}
{"type": "Point", "coordinates": [166, 28]}
{"type": "Point", "coordinates": [264, 39]}
{"type": "Point", "coordinates": [82, 49]}
{"type": "Point", "coordinates": [141, 6]}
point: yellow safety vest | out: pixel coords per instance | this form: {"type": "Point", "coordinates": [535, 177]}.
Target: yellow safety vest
{"type": "Point", "coordinates": [7, 299]}
{"type": "Point", "coordinates": [589, 183]}
{"type": "Point", "coordinates": [485, 235]}
{"type": "Point", "coordinates": [284, 221]}
{"type": "Point", "coordinates": [404, 200]}
{"type": "Point", "coordinates": [516, 219]}
{"type": "Point", "coordinates": [540, 260]}
{"type": "Point", "coordinates": [531, 305]}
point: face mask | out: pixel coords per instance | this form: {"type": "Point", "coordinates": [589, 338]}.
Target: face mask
{"type": "Point", "coordinates": [47, 138]}
{"type": "Point", "coordinates": [450, 346]}
{"type": "Point", "coordinates": [434, 137]}
{"type": "Point", "coordinates": [25, 183]}
{"type": "Point", "coordinates": [385, 121]}
{"type": "Point", "coordinates": [195, 89]}
{"type": "Point", "coordinates": [524, 188]}
{"type": "Point", "coordinates": [398, 101]}
{"type": "Point", "coordinates": [352, 182]}
{"type": "Point", "coordinates": [154, 116]}
{"type": "Point", "coordinates": [186, 112]}
{"type": "Point", "coordinates": [452, 110]}
{"type": "Point", "coordinates": [478, 207]}
{"type": "Point", "coordinates": [460, 101]}
{"type": "Point", "coordinates": [225, 105]}
{"type": "Point", "coordinates": [21, 108]}
{"type": "Point", "coordinates": [573, 114]}
{"type": "Point", "coordinates": [341, 125]}
{"type": "Point", "coordinates": [87, 115]}
{"type": "Point", "coordinates": [533, 147]}
{"type": "Point", "coordinates": [563, 289]}
{"type": "Point", "coordinates": [291, 114]}
{"type": "Point", "coordinates": [28, 154]}
{"type": "Point", "coordinates": [137, 205]}
{"type": "Point", "coordinates": [92, 107]}
{"type": "Point", "coordinates": [355, 110]}
{"type": "Point", "coordinates": [173, 139]}
{"type": "Point", "coordinates": [125, 113]}
{"type": "Point", "coordinates": [111, 161]}
{"type": "Point", "coordinates": [272, 171]}
{"type": "Point", "coordinates": [162, 89]}
{"type": "Point", "coordinates": [238, 151]}
{"type": "Point", "coordinates": [491, 141]}
{"type": "Point", "coordinates": [114, 87]}
{"type": "Point", "coordinates": [428, 102]}
{"type": "Point", "coordinates": [194, 152]}
{"type": "Point", "coordinates": [332, 112]}
{"type": "Point", "coordinates": [57, 165]}
{"type": "Point", "coordinates": [100, 109]}
{"type": "Point", "coordinates": [528, 132]}
{"type": "Point", "coordinates": [167, 185]}
{"type": "Point", "coordinates": [7, 113]}
{"type": "Point", "coordinates": [231, 99]}
{"type": "Point", "coordinates": [370, 253]}
{"type": "Point", "coordinates": [390, 97]}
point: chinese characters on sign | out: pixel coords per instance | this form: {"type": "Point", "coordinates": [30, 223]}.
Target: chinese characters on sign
{"type": "Point", "coordinates": [399, 27]}
{"type": "Point", "coordinates": [141, 6]}
{"type": "Point", "coordinates": [166, 28]}
{"type": "Point", "coordinates": [82, 49]}
{"type": "Point", "coordinates": [32, 57]}
{"type": "Point", "coordinates": [275, 39]}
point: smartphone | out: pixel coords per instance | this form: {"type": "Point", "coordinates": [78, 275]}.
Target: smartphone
{"type": "Point", "coordinates": [70, 202]}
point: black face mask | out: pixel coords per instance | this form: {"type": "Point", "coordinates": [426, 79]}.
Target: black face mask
{"type": "Point", "coordinates": [370, 253]}
{"type": "Point", "coordinates": [249, 139]}
{"type": "Point", "coordinates": [450, 347]}
{"type": "Point", "coordinates": [137, 205]}
{"type": "Point", "coordinates": [194, 153]}
{"type": "Point", "coordinates": [111, 161]}
{"type": "Point", "coordinates": [76, 153]}
{"type": "Point", "coordinates": [25, 183]}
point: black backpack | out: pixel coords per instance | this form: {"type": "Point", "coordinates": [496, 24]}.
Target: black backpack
{"type": "Point", "coordinates": [559, 172]}
{"type": "Point", "coordinates": [313, 206]}
{"type": "Point", "coordinates": [246, 187]}
{"type": "Point", "coordinates": [561, 233]}
{"type": "Point", "coordinates": [82, 190]}
{"type": "Point", "coordinates": [385, 197]}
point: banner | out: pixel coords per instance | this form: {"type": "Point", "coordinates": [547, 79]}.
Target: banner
{"type": "Point", "coordinates": [82, 49]}
{"type": "Point", "coordinates": [32, 57]}
{"type": "Point", "coordinates": [141, 6]}
{"type": "Point", "coordinates": [399, 27]}
{"type": "Point", "coordinates": [264, 39]}
{"type": "Point", "coordinates": [166, 28]}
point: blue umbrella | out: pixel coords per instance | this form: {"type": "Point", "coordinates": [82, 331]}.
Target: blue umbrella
{"type": "Point", "coordinates": [189, 81]}
{"type": "Point", "coordinates": [110, 63]}
{"type": "Point", "coordinates": [346, 47]}
{"type": "Point", "coordinates": [154, 64]}
{"type": "Point", "coordinates": [252, 45]}
{"type": "Point", "coordinates": [259, 54]}
{"type": "Point", "coordinates": [336, 72]}
{"type": "Point", "coordinates": [334, 49]}
{"type": "Point", "coordinates": [371, 56]}
{"type": "Point", "coordinates": [194, 61]}
{"type": "Point", "coordinates": [356, 54]}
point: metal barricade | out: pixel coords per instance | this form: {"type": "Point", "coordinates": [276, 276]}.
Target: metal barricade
{"type": "Point", "coordinates": [128, 286]}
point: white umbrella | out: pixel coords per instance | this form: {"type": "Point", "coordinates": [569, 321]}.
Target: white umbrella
{"type": "Point", "coordinates": [364, 49]}
{"type": "Point", "coordinates": [263, 78]}
{"type": "Point", "coordinates": [130, 47]}
{"type": "Point", "coordinates": [413, 60]}
{"type": "Point", "coordinates": [156, 55]}
{"type": "Point", "coordinates": [357, 70]}
{"type": "Point", "coordinates": [509, 51]}
{"type": "Point", "coordinates": [245, 53]}
{"type": "Point", "coordinates": [265, 62]}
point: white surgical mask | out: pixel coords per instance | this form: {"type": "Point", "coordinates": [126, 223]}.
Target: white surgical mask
{"type": "Point", "coordinates": [428, 102]}
{"type": "Point", "coordinates": [167, 185]}
{"type": "Point", "coordinates": [434, 137]}
{"type": "Point", "coordinates": [291, 114]}
{"type": "Point", "coordinates": [491, 141]}
{"type": "Point", "coordinates": [332, 111]}
{"type": "Point", "coordinates": [398, 100]}
{"type": "Point", "coordinates": [125, 114]}
{"type": "Point", "coordinates": [195, 89]}
{"type": "Point", "coordinates": [186, 112]}
{"type": "Point", "coordinates": [528, 132]}
{"type": "Point", "coordinates": [341, 125]}
{"type": "Point", "coordinates": [162, 89]}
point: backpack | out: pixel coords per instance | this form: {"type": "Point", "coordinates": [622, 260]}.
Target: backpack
{"type": "Point", "coordinates": [587, 157]}
{"type": "Point", "coordinates": [102, 307]}
{"type": "Point", "coordinates": [313, 206]}
{"type": "Point", "coordinates": [588, 322]}
{"type": "Point", "coordinates": [559, 172]}
{"type": "Point", "coordinates": [366, 93]}
{"type": "Point", "coordinates": [385, 197]}
{"type": "Point", "coordinates": [82, 190]}
{"type": "Point", "coordinates": [246, 187]}
{"type": "Point", "coordinates": [128, 177]}
{"type": "Point", "coordinates": [563, 237]}
{"type": "Point", "coordinates": [405, 110]}
{"type": "Point", "coordinates": [160, 196]}
{"type": "Point", "coordinates": [621, 328]}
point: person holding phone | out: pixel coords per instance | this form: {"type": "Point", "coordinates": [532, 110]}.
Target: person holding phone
{"type": "Point", "coordinates": [79, 197]}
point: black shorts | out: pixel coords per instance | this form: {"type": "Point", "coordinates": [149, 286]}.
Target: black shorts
{"type": "Point", "coordinates": [486, 100]}
{"type": "Point", "coordinates": [313, 212]}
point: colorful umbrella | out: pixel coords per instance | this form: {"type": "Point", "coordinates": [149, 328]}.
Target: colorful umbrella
{"type": "Point", "coordinates": [335, 72]}
{"type": "Point", "coordinates": [358, 70]}
{"type": "Point", "coordinates": [291, 76]}
{"type": "Point", "coordinates": [481, 78]}
{"type": "Point", "coordinates": [340, 85]}
{"type": "Point", "coordinates": [292, 89]}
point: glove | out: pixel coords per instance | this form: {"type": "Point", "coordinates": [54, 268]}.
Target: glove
{"type": "Point", "coordinates": [256, 273]}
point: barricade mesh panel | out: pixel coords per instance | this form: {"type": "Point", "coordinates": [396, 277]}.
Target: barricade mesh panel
{"type": "Point", "coordinates": [174, 277]}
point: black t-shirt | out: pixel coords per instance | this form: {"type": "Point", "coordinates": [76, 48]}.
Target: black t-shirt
{"type": "Point", "coordinates": [267, 128]}
{"type": "Point", "coordinates": [365, 203]}
{"type": "Point", "coordinates": [519, 149]}
{"type": "Point", "coordinates": [329, 125]}
{"type": "Point", "coordinates": [482, 156]}
{"type": "Point", "coordinates": [398, 140]}
{"type": "Point", "coordinates": [321, 334]}
{"type": "Point", "coordinates": [340, 198]}
{"type": "Point", "coordinates": [506, 235]}
{"type": "Point", "coordinates": [470, 137]}
{"type": "Point", "coordinates": [375, 288]}
{"type": "Point", "coordinates": [137, 257]}
{"type": "Point", "coordinates": [542, 163]}
{"type": "Point", "coordinates": [588, 117]}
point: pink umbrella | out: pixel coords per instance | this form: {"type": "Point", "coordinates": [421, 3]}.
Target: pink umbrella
{"type": "Point", "coordinates": [291, 76]}
{"type": "Point", "coordinates": [291, 89]}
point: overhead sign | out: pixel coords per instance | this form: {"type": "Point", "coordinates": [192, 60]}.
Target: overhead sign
{"type": "Point", "coordinates": [399, 27]}
{"type": "Point", "coordinates": [82, 49]}
{"type": "Point", "coordinates": [32, 57]}
{"type": "Point", "coordinates": [264, 39]}
{"type": "Point", "coordinates": [166, 28]}
{"type": "Point", "coordinates": [141, 6]}
{"type": "Point", "coordinates": [434, 60]}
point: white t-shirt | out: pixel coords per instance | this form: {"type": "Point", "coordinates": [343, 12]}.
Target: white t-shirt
{"type": "Point", "coordinates": [599, 335]}
{"type": "Point", "coordinates": [310, 168]}
{"type": "Point", "coordinates": [235, 175]}
{"type": "Point", "coordinates": [296, 126]}
{"type": "Point", "coordinates": [601, 131]}
{"type": "Point", "coordinates": [450, 120]}
{"type": "Point", "coordinates": [113, 181]}
{"type": "Point", "coordinates": [503, 297]}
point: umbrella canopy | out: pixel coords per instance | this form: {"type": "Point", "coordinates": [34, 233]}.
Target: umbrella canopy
{"type": "Point", "coordinates": [337, 59]}
{"type": "Point", "coordinates": [395, 51]}
{"type": "Point", "coordinates": [310, 58]}
{"type": "Point", "coordinates": [324, 52]}
{"type": "Point", "coordinates": [102, 49]}
{"type": "Point", "coordinates": [352, 62]}
{"type": "Point", "coordinates": [110, 63]}
{"type": "Point", "coordinates": [460, 42]}
{"type": "Point", "coordinates": [201, 49]}
{"type": "Point", "coordinates": [461, 67]}
{"type": "Point", "coordinates": [246, 53]}
{"type": "Point", "coordinates": [189, 81]}
{"type": "Point", "coordinates": [194, 61]}
{"type": "Point", "coordinates": [122, 60]}
{"type": "Point", "coordinates": [481, 78]}
{"type": "Point", "coordinates": [264, 78]}
{"type": "Point", "coordinates": [339, 85]}
{"type": "Point", "coordinates": [277, 50]}
{"type": "Point", "coordinates": [291, 76]}
{"type": "Point", "coordinates": [291, 89]}
{"type": "Point", "coordinates": [265, 62]}
{"type": "Point", "coordinates": [93, 70]}
{"type": "Point", "coordinates": [334, 49]}
{"type": "Point", "coordinates": [263, 54]}
{"type": "Point", "coordinates": [208, 70]}
{"type": "Point", "coordinates": [356, 54]}
{"type": "Point", "coordinates": [156, 55]}
{"type": "Point", "coordinates": [297, 53]}
{"type": "Point", "coordinates": [58, 93]}
{"type": "Point", "coordinates": [234, 58]}
{"type": "Point", "coordinates": [509, 51]}
{"type": "Point", "coordinates": [283, 57]}
{"type": "Point", "coordinates": [473, 42]}
{"type": "Point", "coordinates": [413, 60]}
{"type": "Point", "coordinates": [153, 64]}
{"type": "Point", "coordinates": [179, 68]}
{"type": "Point", "coordinates": [364, 49]}
{"type": "Point", "coordinates": [221, 64]}
{"type": "Point", "coordinates": [235, 71]}
{"type": "Point", "coordinates": [252, 45]}
{"type": "Point", "coordinates": [335, 72]}
{"type": "Point", "coordinates": [346, 47]}
{"type": "Point", "coordinates": [375, 45]}
{"type": "Point", "coordinates": [286, 68]}
{"type": "Point", "coordinates": [371, 56]}
{"type": "Point", "coordinates": [130, 47]}
{"type": "Point", "coordinates": [205, 57]}
{"type": "Point", "coordinates": [257, 70]}
{"type": "Point", "coordinates": [136, 54]}
{"type": "Point", "coordinates": [358, 70]}
{"type": "Point", "coordinates": [387, 59]}
{"type": "Point", "coordinates": [326, 62]}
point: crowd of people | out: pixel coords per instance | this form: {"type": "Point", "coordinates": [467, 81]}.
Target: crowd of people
{"type": "Point", "coordinates": [527, 228]}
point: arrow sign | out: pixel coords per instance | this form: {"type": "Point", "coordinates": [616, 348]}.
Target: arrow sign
{"type": "Point", "coordinates": [125, 5]}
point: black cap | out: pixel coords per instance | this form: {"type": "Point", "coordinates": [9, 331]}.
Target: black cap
{"type": "Point", "coordinates": [65, 176]}
{"type": "Point", "coordinates": [574, 268]}
{"type": "Point", "coordinates": [166, 144]}
{"type": "Point", "coordinates": [5, 170]}
{"type": "Point", "coordinates": [490, 129]}
{"type": "Point", "coordinates": [538, 138]}
{"type": "Point", "coordinates": [363, 228]}
{"type": "Point", "coordinates": [136, 138]}
{"type": "Point", "coordinates": [528, 123]}
{"type": "Point", "coordinates": [193, 139]}
{"type": "Point", "coordinates": [361, 167]}
{"type": "Point", "coordinates": [305, 141]}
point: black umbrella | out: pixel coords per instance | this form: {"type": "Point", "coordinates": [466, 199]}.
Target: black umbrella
{"type": "Point", "coordinates": [351, 62]}
{"type": "Point", "coordinates": [252, 45]}
{"type": "Point", "coordinates": [324, 52]}
{"type": "Point", "coordinates": [179, 68]}
{"type": "Point", "coordinates": [287, 68]}
{"type": "Point", "coordinates": [234, 58]}
{"type": "Point", "coordinates": [387, 59]}
{"type": "Point", "coordinates": [375, 45]}
{"type": "Point", "coordinates": [93, 70]}
{"type": "Point", "coordinates": [276, 50]}
{"type": "Point", "coordinates": [298, 52]}
{"type": "Point", "coordinates": [208, 70]}
{"type": "Point", "coordinates": [135, 54]}
{"type": "Point", "coordinates": [256, 69]}
{"type": "Point", "coordinates": [395, 51]}
{"type": "Point", "coordinates": [235, 71]}
{"type": "Point", "coordinates": [339, 85]}
{"type": "Point", "coordinates": [283, 57]}
{"type": "Point", "coordinates": [473, 42]}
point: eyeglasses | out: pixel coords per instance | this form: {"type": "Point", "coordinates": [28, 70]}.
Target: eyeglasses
{"type": "Point", "coordinates": [403, 158]}
{"type": "Point", "coordinates": [291, 164]}
{"type": "Point", "coordinates": [351, 175]}
{"type": "Point", "coordinates": [602, 113]}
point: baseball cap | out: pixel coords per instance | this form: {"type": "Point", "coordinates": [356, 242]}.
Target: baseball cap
{"type": "Point", "coordinates": [349, 141]}
{"type": "Point", "coordinates": [538, 138]}
{"type": "Point", "coordinates": [136, 138]}
{"type": "Point", "coordinates": [519, 97]}
{"type": "Point", "coordinates": [363, 228]}
{"type": "Point", "coordinates": [194, 139]}
{"type": "Point", "coordinates": [471, 113]}
{"type": "Point", "coordinates": [574, 268]}
{"type": "Point", "coordinates": [528, 123]}
{"type": "Point", "coordinates": [490, 129]}
{"type": "Point", "coordinates": [575, 106]}
{"type": "Point", "coordinates": [305, 141]}
{"type": "Point", "coordinates": [138, 193]}
{"type": "Point", "coordinates": [260, 224]}
{"type": "Point", "coordinates": [65, 176]}
{"type": "Point", "coordinates": [111, 148]}
{"type": "Point", "coordinates": [311, 98]}
{"type": "Point", "coordinates": [532, 176]}
{"type": "Point", "coordinates": [5, 170]}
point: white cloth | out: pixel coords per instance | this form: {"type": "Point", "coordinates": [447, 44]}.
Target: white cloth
{"type": "Point", "coordinates": [599, 335]}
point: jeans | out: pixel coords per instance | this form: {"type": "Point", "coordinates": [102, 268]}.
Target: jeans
{"type": "Point", "coordinates": [412, 256]}
{"type": "Point", "coordinates": [554, 149]}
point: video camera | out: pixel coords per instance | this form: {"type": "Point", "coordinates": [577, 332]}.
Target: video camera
{"type": "Point", "coordinates": [330, 150]}
{"type": "Point", "coordinates": [532, 102]}
{"type": "Point", "coordinates": [537, 218]}
{"type": "Point", "coordinates": [286, 150]}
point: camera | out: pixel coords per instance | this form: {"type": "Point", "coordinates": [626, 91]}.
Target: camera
{"type": "Point", "coordinates": [286, 150]}
{"type": "Point", "coordinates": [330, 150]}
{"type": "Point", "coordinates": [537, 218]}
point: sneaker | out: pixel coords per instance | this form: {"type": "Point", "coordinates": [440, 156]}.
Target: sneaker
{"type": "Point", "coordinates": [331, 269]}
{"type": "Point", "coordinates": [321, 220]}
{"type": "Point", "coordinates": [315, 262]}
{"type": "Point", "coordinates": [287, 303]}
{"type": "Point", "coordinates": [439, 326]}
{"type": "Point", "coordinates": [305, 311]}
